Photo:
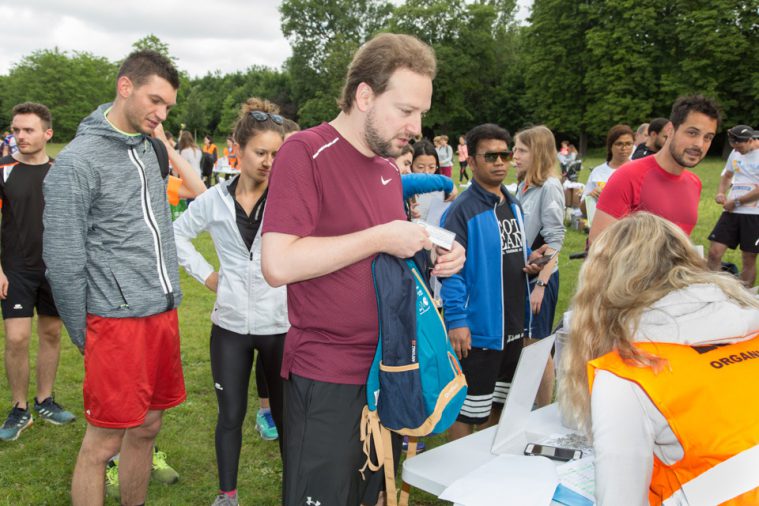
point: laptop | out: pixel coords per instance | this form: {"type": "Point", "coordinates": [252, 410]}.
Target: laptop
{"type": "Point", "coordinates": [513, 435]}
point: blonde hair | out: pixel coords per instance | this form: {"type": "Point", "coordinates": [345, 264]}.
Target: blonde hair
{"type": "Point", "coordinates": [542, 146]}
{"type": "Point", "coordinates": [376, 61]}
{"type": "Point", "coordinates": [247, 126]}
{"type": "Point", "coordinates": [631, 265]}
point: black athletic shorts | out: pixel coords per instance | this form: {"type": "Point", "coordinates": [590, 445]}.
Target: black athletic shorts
{"type": "Point", "coordinates": [322, 447]}
{"type": "Point", "coordinates": [488, 375]}
{"type": "Point", "coordinates": [733, 229]}
{"type": "Point", "coordinates": [27, 290]}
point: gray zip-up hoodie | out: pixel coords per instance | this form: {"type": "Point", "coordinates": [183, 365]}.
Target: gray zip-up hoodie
{"type": "Point", "coordinates": [108, 242]}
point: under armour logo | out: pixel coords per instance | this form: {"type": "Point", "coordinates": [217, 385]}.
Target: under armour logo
{"type": "Point", "coordinates": [311, 502]}
{"type": "Point", "coordinates": [385, 181]}
{"type": "Point", "coordinates": [218, 387]}
{"type": "Point", "coordinates": [18, 306]}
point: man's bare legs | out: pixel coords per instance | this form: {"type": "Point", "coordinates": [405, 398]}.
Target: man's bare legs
{"type": "Point", "coordinates": [49, 333]}
{"type": "Point", "coordinates": [135, 462]}
{"type": "Point", "coordinates": [88, 483]}
{"type": "Point", "coordinates": [748, 270]}
{"type": "Point", "coordinates": [18, 332]}
{"type": "Point", "coordinates": [714, 258]}
{"type": "Point", "coordinates": [99, 445]}
{"type": "Point", "coordinates": [459, 430]}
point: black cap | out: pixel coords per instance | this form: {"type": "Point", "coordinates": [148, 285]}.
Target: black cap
{"type": "Point", "coordinates": [741, 133]}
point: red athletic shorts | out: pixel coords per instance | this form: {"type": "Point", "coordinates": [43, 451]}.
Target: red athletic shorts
{"type": "Point", "coordinates": [131, 365]}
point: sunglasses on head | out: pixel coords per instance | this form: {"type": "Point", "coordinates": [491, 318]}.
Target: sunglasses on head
{"type": "Point", "coordinates": [263, 116]}
{"type": "Point", "coordinates": [491, 157]}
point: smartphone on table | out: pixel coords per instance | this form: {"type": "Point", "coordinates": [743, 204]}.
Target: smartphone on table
{"type": "Point", "coordinates": [553, 452]}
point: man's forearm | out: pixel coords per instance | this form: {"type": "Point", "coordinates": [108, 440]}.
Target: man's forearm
{"type": "Point", "coordinates": [724, 183]}
{"type": "Point", "coordinates": [288, 259]}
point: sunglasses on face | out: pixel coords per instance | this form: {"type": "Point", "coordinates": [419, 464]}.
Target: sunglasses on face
{"type": "Point", "coordinates": [263, 116]}
{"type": "Point", "coordinates": [491, 157]}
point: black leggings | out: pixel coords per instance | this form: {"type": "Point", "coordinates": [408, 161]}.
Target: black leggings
{"type": "Point", "coordinates": [231, 364]}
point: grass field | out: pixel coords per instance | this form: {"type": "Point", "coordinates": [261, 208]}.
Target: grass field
{"type": "Point", "coordinates": [37, 468]}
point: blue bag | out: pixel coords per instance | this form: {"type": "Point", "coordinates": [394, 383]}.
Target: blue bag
{"type": "Point", "coordinates": [415, 385]}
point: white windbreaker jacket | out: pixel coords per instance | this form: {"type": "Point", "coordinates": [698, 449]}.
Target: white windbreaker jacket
{"type": "Point", "coordinates": [245, 303]}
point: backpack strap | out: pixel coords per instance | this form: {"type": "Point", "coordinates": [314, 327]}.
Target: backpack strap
{"type": "Point", "coordinates": [163, 155]}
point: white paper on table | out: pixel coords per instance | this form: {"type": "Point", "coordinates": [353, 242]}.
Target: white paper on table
{"type": "Point", "coordinates": [506, 479]}
{"type": "Point", "coordinates": [579, 476]}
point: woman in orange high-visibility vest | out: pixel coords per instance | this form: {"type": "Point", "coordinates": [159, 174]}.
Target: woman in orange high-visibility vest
{"type": "Point", "coordinates": [660, 369]}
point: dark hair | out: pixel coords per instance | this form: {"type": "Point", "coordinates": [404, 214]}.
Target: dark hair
{"type": "Point", "coordinates": [694, 103]}
{"type": "Point", "coordinates": [379, 58]}
{"type": "Point", "coordinates": [407, 148]}
{"type": "Point", "coordinates": [139, 66]}
{"type": "Point", "coordinates": [425, 148]}
{"type": "Point", "coordinates": [247, 126]}
{"type": "Point", "coordinates": [208, 136]}
{"type": "Point", "coordinates": [615, 133]}
{"type": "Point", "coordinates": [290, 126]}
{"type": "Point", "coordinates": [485, 132]}
{"type": "Point", "coordinates": [657, 125]}
{"type": "Point", "coordinates": [39, 110]}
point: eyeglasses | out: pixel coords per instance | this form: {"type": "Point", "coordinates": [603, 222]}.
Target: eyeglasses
{"type": "Point", "coordinates": [623, 144]}
{"type": "Point", "coordinates": [263, 116]}
{"type": "Point", "coordinates": [491, 157]}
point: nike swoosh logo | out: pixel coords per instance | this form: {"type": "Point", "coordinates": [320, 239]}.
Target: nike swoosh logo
{"type": "Point", "coordinates": [384, 182]}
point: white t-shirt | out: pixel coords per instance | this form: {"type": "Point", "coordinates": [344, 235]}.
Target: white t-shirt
{"type": "Point", "coordinates": [598, 178]}
{"type": "Point", "coordinates": [193, 157]}
{"type": "Point", "coordinates": [745, 169]}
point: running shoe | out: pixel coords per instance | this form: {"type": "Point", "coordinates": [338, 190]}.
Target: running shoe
{"type": "Point", "coordinates": [419, 445]}
{"type": "Point", "coordinates": [161, 470]}
{"type": "Point", "coordinates": [18, 420]}
{"type": "Point", "coordinates": [225, 500]}
{"type": "Point", "coordinates": [265, 425]}
{"type": "Point", "coordinates": [52, 412]}
{"type": "Point", "coordinates": [112, 479]}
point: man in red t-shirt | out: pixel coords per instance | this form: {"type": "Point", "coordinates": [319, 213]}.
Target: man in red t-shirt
{"type": "Point", "coordinates": [335, 201]}
{"type": "Point", "coordinates": [661, 184]}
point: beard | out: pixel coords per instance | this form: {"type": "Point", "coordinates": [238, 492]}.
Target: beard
{"type": "Point", "coordinates": [378, 145]}
{"type": "Point", "coordinates": [680, 158]}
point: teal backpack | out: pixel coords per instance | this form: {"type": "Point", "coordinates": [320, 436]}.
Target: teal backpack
{"type": "Point", "coordinates": [415, 385]}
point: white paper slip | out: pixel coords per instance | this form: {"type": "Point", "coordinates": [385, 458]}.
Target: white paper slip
{"type": "Point", "coordinates": [579, 476]}
{"type": "Point", "coordinates": [507, 479]}
{"type": "Point", "coordinates": [439, 236]}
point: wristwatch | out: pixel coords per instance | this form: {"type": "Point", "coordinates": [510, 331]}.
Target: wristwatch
{"type": "Point", "coordinates": [540, 282]}
{"type": "Point", "coordinates": [737, 203]}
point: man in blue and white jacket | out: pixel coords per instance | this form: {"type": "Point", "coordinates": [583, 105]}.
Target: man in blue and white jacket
{"type": "Point", "coordinates": [485, 304]}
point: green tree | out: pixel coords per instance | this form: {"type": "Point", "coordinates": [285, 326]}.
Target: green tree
{"type": "Point", "coordinates": [555, 63]}
{"type": "Point", "coordinates": [323, 36]}
{"type": "Point", "coordinates": [70, 84]}
{"type": "Point", "coordinates": [151, 41]}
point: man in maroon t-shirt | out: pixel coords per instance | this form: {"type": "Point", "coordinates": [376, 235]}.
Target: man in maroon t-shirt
{"type": "Point", "coordinates": [335, 201]}
{"type": "Point", "coordinates": [660, 184]}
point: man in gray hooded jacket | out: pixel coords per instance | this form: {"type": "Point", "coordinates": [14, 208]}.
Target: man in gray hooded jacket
{"type": "Point", "coordinates": [112, 264]}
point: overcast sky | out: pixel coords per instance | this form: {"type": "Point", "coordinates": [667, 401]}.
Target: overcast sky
{"type": "Point", "coordinates": [202, 40]}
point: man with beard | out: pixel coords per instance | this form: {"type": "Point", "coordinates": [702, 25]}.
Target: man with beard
{"type": "Point", "coordinates": [335, 201]}
{"type": "Point", "coordinates": [655, 139]}
{"type": "Point", "coordinates": [661, 184]}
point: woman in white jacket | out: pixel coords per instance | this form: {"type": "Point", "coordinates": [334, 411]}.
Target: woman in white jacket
{"type": "Point", "coordinates": [658, 410]}
{"type": "Point", "coordinates": [249, 315]}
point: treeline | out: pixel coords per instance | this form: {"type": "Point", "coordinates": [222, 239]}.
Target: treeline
{"type": "Point", "coordinates": [577, 66]}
